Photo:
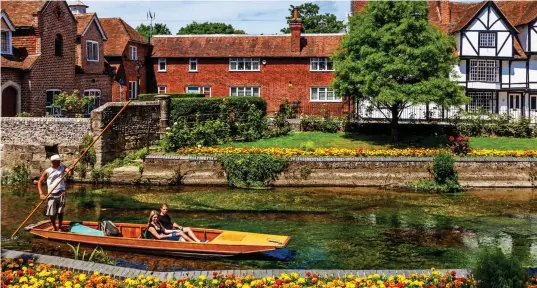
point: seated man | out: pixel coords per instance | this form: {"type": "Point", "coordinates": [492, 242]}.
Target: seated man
{"type": "Point", "coordinates": [167, 223]}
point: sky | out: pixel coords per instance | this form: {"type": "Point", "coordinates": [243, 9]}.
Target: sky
{"type": "Point", "coordinates": [254, 17]}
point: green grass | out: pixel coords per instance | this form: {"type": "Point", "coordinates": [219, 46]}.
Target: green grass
{"type": "Point", "coordinates": [353, 141]}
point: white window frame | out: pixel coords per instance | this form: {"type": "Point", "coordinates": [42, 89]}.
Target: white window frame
{"type": "Point", "coordinates": [533, 97]}
{"type": "Point", "coordinates": [487, 40]}
{"type": "Point", "coordinates": [320, 64]}
{"type": "Point", "coordinates": [53, 111]}
{"type": "Point", "coordinates": [160, 91]}
{"type": "Point", "coordinates": [96, 101]}
{"type": "Point", "coordinates": [160, 62]}
{"type": "Point", "coordinates": [91, 45]}
{"type": "Point", "coordinates": [133, 90]}
{"type": "Point", "coordinates": [9, 42]}
{"type": "Point", "coordinates": [325, 90]}
{"type": "Point", "coordinates": [515, 101]}
{"type": "Point", "coordinates": [192, 61]}
{"type": "Point", "coordinates": [194, 87]}
{"type": "Point", "coordinates": [482, 99]}
{"type": "Point", "coordinates": [236, 63]}
{"type": "Point", "coordinates": [133, 53]}
{"type": "Point", "coordinates": [201, 90]}
{"type": "Point", "coordinates": [484, 70]}
{"type": "Point", "coordinates": [236, 91]}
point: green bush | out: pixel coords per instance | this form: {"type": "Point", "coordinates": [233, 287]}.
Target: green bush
{"type": "Point", "coordinates": [151, 96]}
{"type": "Point", "coordinates": [252, 170]}
{"type": "Point", "coordinates": [322, 124]}
{"type": "Point", "coordinates": [491, 124]}
{"type": "Point", "coordinates": [445, 178]}
{"type": "Point", "coordinates": [211, 108]}
{"type": "Point", "coordinates": [495, 270]}
{"type": "Point", "coordinates": [24, 114]}
{"type": "Point", "coordinates": [18, 174]}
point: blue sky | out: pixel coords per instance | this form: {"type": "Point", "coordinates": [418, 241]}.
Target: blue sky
{"type": "Point", "coordinates": [254, 17]}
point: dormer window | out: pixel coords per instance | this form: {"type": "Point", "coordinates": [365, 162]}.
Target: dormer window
{"type": "Point", "coordinates": [92, 51]}
{"type": "Point", "coordinates": [134, 53]}
{"type": "Point", "coordinates": [6, 42]}
{"type": "Point", "coordinates": [487, 40]}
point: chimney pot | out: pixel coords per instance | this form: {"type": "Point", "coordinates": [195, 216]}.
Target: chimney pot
{"type": "Point", "coordinates": [295, 13]}
{"type": "Point", "coordinates": [295, 25]}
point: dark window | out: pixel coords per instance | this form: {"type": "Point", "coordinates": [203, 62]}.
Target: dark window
{"type": "Point", "coordinates": [58, 45]}
{"type": "Point", "coordinates": [533, 103]}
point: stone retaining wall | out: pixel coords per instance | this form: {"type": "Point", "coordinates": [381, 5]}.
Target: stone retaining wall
{"type": "Point", "coordinates": [135, 127]}
{"type": "Point", "coordinates": [27, 140]}
{"type": "Point", "coordinates": [351, 172]}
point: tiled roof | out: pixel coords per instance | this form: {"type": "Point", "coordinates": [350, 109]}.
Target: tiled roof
{"type": "Point", "coordinates": [83, 21]}
{"type": "Point", "coordinates": [21, 12]}
{"type": "Point", "coordinates": [24, 63]}
{"type": "Point", "coordinates": [518, 12]}
{"type": "Point", "coordinates": [119, 33]}
{"type": "Point", "coordinates": [244, 45]}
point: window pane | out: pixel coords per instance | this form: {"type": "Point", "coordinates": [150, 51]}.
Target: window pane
{"type": "Point", "coordinates": [314, 94]}
{"type": "Point", "coordinates": [247, 65]}
{"type": "Point", "coordinates": [241, 91]}
{"type": "Point", "coordinates": [207, 91]}
{"type": "Point", "coordinates": [330, 65]}
{"type": "Point", "coordinates": [533, 103]}
{"type": "Point", "coordinates": [5, 40]}
{"type": "Point", "coordinates": [241, 65]}
{"type": "Point", "coordinates": [248, 91]}
{"type": "Point", "coordinates": [322, 94]}
{"type": "Point", "coordinates": [329, 94]}
{"type": "Point", "coordinates": [193, 90]}
{"type": "Point", "coordinates": [322, 66]}
{"type": "Point", "coordinates": [256, 91]}
{"type": "Point", "coordinates": [233, 66]}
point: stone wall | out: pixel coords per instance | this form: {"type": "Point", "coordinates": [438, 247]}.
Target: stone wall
{"type": "Point", "coordinates": [31, 140]}
{"type": "Point", "coordinates": [137, 126]}
{"type": "Point", "coordinates": [351, 172]}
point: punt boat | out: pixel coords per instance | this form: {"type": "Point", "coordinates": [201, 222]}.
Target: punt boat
{"type": "Point", "coordinates": [220, 243]}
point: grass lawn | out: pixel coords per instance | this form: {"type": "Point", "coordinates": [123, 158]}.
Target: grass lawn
{"type": "Point", "coordinates": [350, 141]}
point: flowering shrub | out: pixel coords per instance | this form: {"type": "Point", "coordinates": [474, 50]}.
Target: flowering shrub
{"type": "Point", "coordinates": [20, 273]}
{"type": "Point", "coordinates": [461, 146]}
{"type": "Point", "coordinates": [339, 152]}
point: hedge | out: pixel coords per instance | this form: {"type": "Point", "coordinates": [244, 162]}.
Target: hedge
{"type": "Point", "coordinates": [209, 108]}
{"type": "Point", "coordinates": [151, 96]}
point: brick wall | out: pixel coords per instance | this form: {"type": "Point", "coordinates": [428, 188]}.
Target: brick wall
{"type": "Point", "coordinates": [279, 79]}
{"type": "Point", "coordinates": [127, 70]}
{"type": "Point", "coordinates": [50, 71]}
{"type": "Point", "coordinates": [25, 139]}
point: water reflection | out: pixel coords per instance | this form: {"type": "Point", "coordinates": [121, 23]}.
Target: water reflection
{"type": "Point", "coordinates": [331, 228]}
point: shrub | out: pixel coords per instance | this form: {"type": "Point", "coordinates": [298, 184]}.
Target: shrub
{"type": "Point", "coordinates": [459, 146]}
{"type": "Point", "coordinates": [24, 114]}
{"type": "Point", "coordinates": [445, 179]}
{"type": "Point", "coordinates": [490, 124]}
{"type": "Point", "coordinates": [494, 269]}
{"type": "Point", "coordinates": [328, 124]}
{"type": "Point", "coordinates": [151, 96]}
{"type": "Point", "coordinates": [74, 104]}
{"type": "Point", "coordinates": [210, 108]}
{"type": "Point", "coordinates": [252, 170]}
{"type": "Point", "coordinates": [279, 126]}
{"type": "Point", "coordinates": [18, 174]}
{"type": "Point", "coordinates": [253, 126]}
{"type": "Point", "coordinates": [289, 109]}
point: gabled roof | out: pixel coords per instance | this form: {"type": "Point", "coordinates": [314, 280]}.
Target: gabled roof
{"type": "Point", "coordinates": [473, 11]}
{"type": "Point", "coordinates": [22, 12]}
{"type": "Point", "coordinates": [121, 33]}
{"type": "Point", "coordinates": [84, 22]}
{"type": "Point", "coordinates": [7, 20]}
{"type": "Point", "coordinates": [313, 45]}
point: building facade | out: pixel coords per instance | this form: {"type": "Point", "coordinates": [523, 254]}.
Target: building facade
{"type": "Point", "coordinates": [46, 53]}
{"type": "Point", "coordinates": [497, 49]}
{"type": "Point", "coordinates": [128, 54]}
{"type": "Point", "coordinates": [295, 67]}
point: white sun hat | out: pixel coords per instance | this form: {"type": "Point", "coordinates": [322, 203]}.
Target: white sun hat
{"type": "Point", "coordinates": [55, 157]}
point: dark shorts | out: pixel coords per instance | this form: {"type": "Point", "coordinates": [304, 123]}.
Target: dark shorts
{"type": "Point", "coordinates": [55, 204]}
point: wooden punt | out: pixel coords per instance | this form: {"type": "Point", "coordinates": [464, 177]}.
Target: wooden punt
{"type": "Point", "coordinates": [220, 243]}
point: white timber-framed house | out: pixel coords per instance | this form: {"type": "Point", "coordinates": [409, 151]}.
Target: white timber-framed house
{"type": "Point", "coordinates": [497, 49]}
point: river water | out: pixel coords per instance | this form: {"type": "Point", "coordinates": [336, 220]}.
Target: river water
{"type": "Point", "coordinates": [331, 228]}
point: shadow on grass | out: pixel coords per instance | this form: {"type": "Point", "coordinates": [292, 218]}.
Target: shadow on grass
{"type": "Point", "coordinates": [404, 142]}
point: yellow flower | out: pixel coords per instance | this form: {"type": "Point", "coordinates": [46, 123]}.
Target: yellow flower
{"type": "Point", "coordinates": [82, 277]}
{"type": "Point", "coordinates": [77, 285]}
{"type": "Point", "coordinates": [51, 280]}
{"type": "Point", "coordinates": [23, 279]}
{"type": "Point", "coordinates": [202, 277]}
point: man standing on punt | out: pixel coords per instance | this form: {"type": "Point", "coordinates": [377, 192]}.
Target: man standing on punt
{"type": "Point", "coordinates": [56, 198]}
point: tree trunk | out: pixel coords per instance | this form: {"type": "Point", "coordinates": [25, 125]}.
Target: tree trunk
{"type": "Point", "coordinates": [395, 123]}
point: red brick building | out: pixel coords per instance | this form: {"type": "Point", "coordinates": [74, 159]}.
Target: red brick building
{"type": "Point", "coordinates": [295, 67]}
{"type": "Point", "coordinates": [46, 52]}
{"type": "Point", "coordinates": [127, 53]}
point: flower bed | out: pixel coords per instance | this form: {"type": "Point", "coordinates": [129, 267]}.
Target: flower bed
{"type": "Point", "coordinates": [340, 152]}
{"type": "Point", "coordinates": [20, 273]}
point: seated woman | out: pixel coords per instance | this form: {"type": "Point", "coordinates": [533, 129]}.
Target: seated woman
{"type": "Point", "coordinates": [157, 231]}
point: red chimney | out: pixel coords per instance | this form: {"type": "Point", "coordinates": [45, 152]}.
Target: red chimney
{"type": "Point", "coordinates": [296, 29]}
{"type": "Point", "coordinates": [444, 12]}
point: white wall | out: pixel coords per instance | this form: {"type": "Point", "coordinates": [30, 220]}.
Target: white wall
{"type": "Point", "coordinates": [460, 71]}
{"type": "Point", "coordinates": [467, 49]}
{"type": "Point", "coordinates": [518, 73]}
{"type": "Point", "coordinates": [523, 37]}
{"type": "Point", "coordinates": [503, 104]}
{"type": "Point", "coordinates": [483, 85]}
{"type": "Point", "coordinates": [507, 49]}
{"type": "Point", "coordinates": [505, 74]}
{"type": "Point", "coordinates": [534, 39]}
{"type": "Point", "coordinates": [533, 72]}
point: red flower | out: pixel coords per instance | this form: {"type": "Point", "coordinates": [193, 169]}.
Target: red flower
{"type": "Point", "coordinates": [459, 139]}
{"type": "Point", "coordinates": [308, 274]}
{"type": "Point", "coordinates": [163, 284]}
{"type": "Point", "coordinates": [30, 261]}
{"type": "Point", "coordinates": [30, 271]}
{"type": "Point", "coordinates": [451, 138]}
{"type": "Point", "coordinates": [279, 282]}
{"type": "Point", "coordinates": [221, 284]}
{"type": "Point", "coordinates": [19, 272]}
{"type": "Point", "coordinates": [315, 275]}
{"type": "Point", "coordinates": [20, 261]}
{"type": "Point", "coordinates": [453, 273]}
{"type": "Point", "coordinates": [466, 139]}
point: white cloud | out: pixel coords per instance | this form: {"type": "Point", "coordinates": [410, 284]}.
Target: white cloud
{"type": "Point", "coordinates": [254, 17]}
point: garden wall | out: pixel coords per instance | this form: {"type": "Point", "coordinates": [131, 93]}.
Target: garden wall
{"type": "Point", "coordinates": [32, 140]}
{"type": "Point", "coordinates": [350, 172]}
{"type": "Point", "coordinates": [137, 126]}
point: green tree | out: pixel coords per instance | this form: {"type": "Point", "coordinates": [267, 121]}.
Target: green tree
{"type": "Point", "coordinates": [158, 29]}
{"type": "Point", "coordinates": [209, 28]}
{"type": "Point", "coordinates": [313, 22]}
{"type": "Point", "coordinates": [394, 58]}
